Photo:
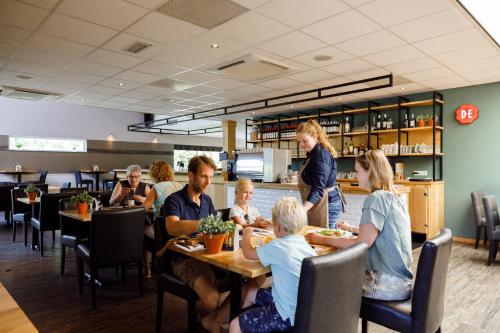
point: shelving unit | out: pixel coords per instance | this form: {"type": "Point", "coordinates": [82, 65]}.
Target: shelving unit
{"type": "Point", "coordinates": [430, 135]}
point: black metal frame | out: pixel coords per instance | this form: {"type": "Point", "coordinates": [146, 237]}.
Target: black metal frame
{"type": "Point", "coordinates": [154, 126]}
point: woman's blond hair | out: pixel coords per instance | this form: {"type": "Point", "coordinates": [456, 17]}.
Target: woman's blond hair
{"type": "Point", "coordinates": [312, 128]}
{"type": "Point", "coordinates": [290, 214]}
{"type": "Point", "coordinates": [380, 174]}
{"type": "Point", "coordinates": [161, 171]}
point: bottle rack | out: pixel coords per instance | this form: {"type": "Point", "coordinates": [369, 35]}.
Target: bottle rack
{"type": "Point", "coordinates": [285, 124]}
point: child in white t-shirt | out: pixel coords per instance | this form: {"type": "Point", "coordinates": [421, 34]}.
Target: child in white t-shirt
{"type": "Point", "coordinates": [242, 213]}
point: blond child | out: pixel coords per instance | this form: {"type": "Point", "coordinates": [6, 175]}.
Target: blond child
{"type": "Point", "coordinates": [242, 213]}
{"type": "Point", "coordinates": [276, 306]}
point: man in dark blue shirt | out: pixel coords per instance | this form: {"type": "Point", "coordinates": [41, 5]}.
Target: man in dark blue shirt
{"type": "Point", "coordinates": [184, 209]}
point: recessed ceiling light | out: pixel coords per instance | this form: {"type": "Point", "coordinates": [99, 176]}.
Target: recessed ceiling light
{"type": "Point", "coordinates": [24, 77]}
{"type": "Point", "coordinates": [323, 57]}
{"type": "Point", "coordinates": [292, 106]}
{"type": "Point", "coordinates": [215, 46]}
{"type": "Point", "coordinates": [253, 112]}
{"type": "Point", "coordinates": [155, 140]}
{"type": "Point", "coordinates": [121, 84]}
{"type": "Point", "coordinates": [484, 13]}
{"type": "Point", "coordinates": [340, 98]}
{"type": "Point", "coordinates": [403, 88]}
{"type": "Point", "coordinates": [111, 137]}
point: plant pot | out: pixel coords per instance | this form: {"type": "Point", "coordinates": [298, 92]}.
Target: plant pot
{"type": "Point", "coordinates": [430, 122]}
{"type": "Point", "coordinates": [213, 243]}
{"type": "Point", "coordinates": [421, 123]}
{"type": "Point", "coordinates": [82, 207]}
{"type": "Point", "coordinates": [32, 196]}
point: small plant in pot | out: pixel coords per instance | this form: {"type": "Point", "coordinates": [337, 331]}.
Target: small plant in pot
{"type": "Point", "coordinates": [214, 230]}
{"type": "Point", "coordinates": [82, 201]}
{"type": "Point", "coordinates": [31, 190]}
{"type": "Point", "coordinates": [421, 121]}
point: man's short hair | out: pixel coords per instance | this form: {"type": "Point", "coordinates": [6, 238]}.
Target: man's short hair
{"type": "Point", "coordinates": [195, 162]}
{"type": "Point", "coordinates": [290, 214]}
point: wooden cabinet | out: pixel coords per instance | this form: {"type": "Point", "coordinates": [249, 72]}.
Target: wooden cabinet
{"type": "Point", "coordinates": [426, 207]}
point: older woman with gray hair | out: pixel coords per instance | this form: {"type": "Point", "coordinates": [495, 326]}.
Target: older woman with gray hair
{"type": "Point", "coordinates": [130, 189]}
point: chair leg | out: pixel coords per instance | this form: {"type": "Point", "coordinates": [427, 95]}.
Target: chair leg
{"type": "Point", "coordinates": [41, 243]}
{"type": "Point", "coordinates": [485, 235]}
{"type": "Point", "coordinates": [438, 330]}
{"type": "Point", "coordinates": [139, 275]}
{"type": "Point", "coordinates": [191, 315]}
{"type": "Point", "coordinates": [13, 231]}
{"type": "Point", "coordinates": [478, 236]}
{"type": "Point", "coordinates": [79, 274]}
{"type": "Point", "coordinates": [93, 274]}
{"type": "Point", "coordinates": [496, 250]}
{"type": "Point", "coordinates": [491, 252]}
{"type": "Point", "coordinates": [25, 229]}
{"type": "Point", "coordinates": [63, 258]}
{"type": "Point", "coordinates": [159, 309]}
{"type": "Point", "coordinates": [364, 326]}
{"type": "Point", "coordinates": [53, 236]}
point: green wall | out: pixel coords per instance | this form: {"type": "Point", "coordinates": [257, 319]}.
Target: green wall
{"type": "Point", "coordinates": [472, 154]}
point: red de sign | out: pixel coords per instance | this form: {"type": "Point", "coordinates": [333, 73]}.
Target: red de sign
{"type": "Point", "coordinates": [467, 114]}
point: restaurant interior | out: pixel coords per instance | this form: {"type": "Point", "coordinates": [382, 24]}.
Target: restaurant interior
{"type": "Point", "coordinates": [95, 92]}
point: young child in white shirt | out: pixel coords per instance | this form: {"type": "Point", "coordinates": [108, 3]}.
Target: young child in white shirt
{"type": "Point", "coordinates": [242, 213]}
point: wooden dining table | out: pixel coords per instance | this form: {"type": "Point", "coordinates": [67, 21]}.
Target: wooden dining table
{"type": "Point", "coordinates": [87, 217]}
{"type": "Point", "coordinates": [239, 267]}
{"type": "Point", "coordinates": [12, 317]}
{"type": "Point", "coordinates": [18, 173]}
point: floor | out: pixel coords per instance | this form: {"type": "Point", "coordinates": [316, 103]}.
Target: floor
{"type": "Point", "coordinates": [53, 304]}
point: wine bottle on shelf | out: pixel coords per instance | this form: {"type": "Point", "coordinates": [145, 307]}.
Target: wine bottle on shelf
{"type": "Point", "coordinates": [405, 121]}
{"type": "Point", "coordinates": [384, 122]}
{"type": "Point", "coordinates": [379, 122]}
{"type": "Point", "coordinates": [347, 126]}
{"type": "Point", "coordinates": [412, 121]}
{"type": "Point", "coordinates": [389, 123]}
{"type": "Point", "coordinates": [351, 148]}
{"type": "Point", "coordinates": [356, 150]}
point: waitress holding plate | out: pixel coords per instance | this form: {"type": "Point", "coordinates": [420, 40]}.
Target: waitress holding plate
{"type": "Point", "coordinates": [320, 194]}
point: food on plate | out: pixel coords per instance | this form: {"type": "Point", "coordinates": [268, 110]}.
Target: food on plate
{"type": "Point", "coordinates": [332, 232]}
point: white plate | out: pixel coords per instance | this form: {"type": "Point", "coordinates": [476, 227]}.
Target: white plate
{"type": "Point", "coordinates": [346, 234]}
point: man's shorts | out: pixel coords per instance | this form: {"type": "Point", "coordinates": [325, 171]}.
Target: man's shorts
{"type": "Point", "coordinates": [265, 317]}
{"type": "Point", "coordinates": [188, 270]}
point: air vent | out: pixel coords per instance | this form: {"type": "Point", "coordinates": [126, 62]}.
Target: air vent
{"type": "Point", "coordinates": [28, 94]}
{"type": "Point", "coordinates": [137, 47]}
{"type": "Point", "coordinates": [204, 13]}
{"type": "Point", "coordinates": [252, 68]}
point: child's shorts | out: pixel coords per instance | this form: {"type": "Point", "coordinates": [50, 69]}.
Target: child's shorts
{"type": "Point", "coordinates": [265, 317]}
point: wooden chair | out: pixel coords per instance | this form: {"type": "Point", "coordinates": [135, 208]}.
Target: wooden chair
{"type": "Point", "coordinates": [493, 226]}
{"type": "Point", "coordinates": [479, 219]}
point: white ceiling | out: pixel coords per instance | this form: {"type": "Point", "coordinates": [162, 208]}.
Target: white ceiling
{"type": "Point", "coordinates": [75, 47]}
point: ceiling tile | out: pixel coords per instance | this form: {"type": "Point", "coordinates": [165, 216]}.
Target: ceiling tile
{"type": "Point", "coordinates": [292, 44]}
{"type": "Point", "coordinates": [181, 57]}
{"type": "Point", "coordinates": [478, 52]}
{"type": "Point", "coordinates": [138, 95]}
{"type": "Point", "coordinates": [250, 4]}
{"type": "Point", "coordinates": [115, 83]}
{"type": "Point", "coordinates": [104, 90]}
{"type": "Point", "coordinates": [356, 3]}
{"type": "Point", "coordinates": [21, 15]}
{"type": "Point", "coordinates": [155, 90]}
{"type": "Point", "coordinates": [394, 56]}
{"type": "Point", "coordinates": [47, 59]}
{"type": "Point", "coordinates": [193, 103]}
{"type": "Point", "coordinates": [81, 77]}
{"type": "Point", "coordinates": [336, 54]}
{"type": "Point", "coordinates": [298, 13]}
{"type": "Point", "coordinates": [203, 89]}
{"type": "Point", "coordinates": [78, 100]}
{"type": "Point", "coordinates": [279, 83]}
{"type": "Point", "coordinates": [232, 95]}
{"type": "Point", "coordinates": [442, 23]}
{"type": "Point", "coordinates": [93, 68]}
{"type": "Point", "coordinates": [402, 10]}
{"type": "Point", "coordinates": [458, 41]}
{"type": "Point", "coordinates": [375, 42]}
{"type": "Point", "coordinates": [228, 84]}
{"type": "Point", "coordinates": [123, 99]}
{"type": "Point", "coordinates": [146, 3]}
{"type": "Point", "coordinates": [490, 75]}
{"type": "Point", "coordinates": [123, 41]}
{"type": "Point", "coordinates": [6, 50]}
{"type": "Point", "coordinates": [75, 30]}
{"type": "Point", "coordinates": [251, 28]}
{"type": "Point", "coordinates": [92, 95]}
{"type": "Point", "coordinates": [183, 95]}
{"type": "Point", "coordinates": [11, 76]}
{"type": "Point", "coordinates": [300, 88]}
{"type": "Point", "coordinates": [405, 88]}
{"type": "Point", "coordinates": [453, 80]}
{"type": "Point", "coordinates": [26, 67]}
{"type": "Point", "coordinates": [164, 29]}
{"type": "Point", "coordinates": [194, 77]}
{"type": "Point", "coordinates": [158, 68]}
{"type": "Point", "coordinates": [330, 82]}
{"type": "Point", "coordinates": [341, 27]}
{"type": "Point", "coordinates": [152, 104]}
{"type": "Point", "coordinates": [3, 62]}
{"type": "Point", "coordinates": [413, 66]}
{"type": "Point", "coordinates": [313, 75]}
{"type": "Point", "coordinates": [137, 107]}
{"type": "Point", "coordinates": [138, 77]}
{"type": "Point", "coordinates": [110, 104]}
{"type": "Point", "coordinates": [368, 74]}
{"type": "Point", "coordinates": [113, 59]}
{"type": "Point", "coordinates": [429, 74]}
{"type": "Point", "coordinates": [12, 35]}
{"type": "Point", "coordinates": [103, 12]}
{"type": "Point", "coordinates": [47, 4]}
{"type": "Point", "coordinates": [210, 99]}
{"type": "Point", "coordinates": [476, 66]}
{"type": "Point", "coordinates": [63, 86]}
{"type": "Point", "coordinates": [56, 45]}
{"type": "Point", "coordinates": [252, 89]}
{"type": "Point", "coordinates": [202, 45]}
{"type": "Point", "coordinates": [349, 67]}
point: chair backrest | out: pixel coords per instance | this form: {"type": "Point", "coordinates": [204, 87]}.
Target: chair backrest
{"type": "Point", "coordinates": [65, 222]}
{"type": "Point", "coordinates": [49, 210]}
{"type": "Point", "coordinates": [43, 176]}
{"type": "Point", "coordinates": [477, 205]}
{"type": "Point", "coordinates": [18, 207]}
{"type": "Point", "coordinates": [102, 196]}
{"type": "Point", "coordinates": [491, 214]}
{"type": "Point", "coordinates": [78, 177]}
{"type": "Point", "coordinates": [430, 282]}
{"type": "Point", "coordinates": [42, 187]}
{"type": "Point", "coordinates": [5, 203]}
{"type": "Point", "coordinates": [72, 190]}
{"type": "Point", "coordinates": [163, 263]}
{"type": "Point", "coordinates": [66, 184]}
{"type": "Point", "coordinates": [116, 236]}
{"type": "Point", "coordinates": [330, 288]}
{"type": "Point", "coordinates": [223, 213]}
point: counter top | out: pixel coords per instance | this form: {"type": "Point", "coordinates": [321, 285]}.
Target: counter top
{"type": "Point", "coordinates": [398, 182]}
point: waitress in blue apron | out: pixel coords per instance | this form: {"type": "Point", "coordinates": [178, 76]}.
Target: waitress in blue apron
{"type": "Point", "coordinates": [320, 194]}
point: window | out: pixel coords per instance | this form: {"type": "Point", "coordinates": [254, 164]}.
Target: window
{"type": "Point", "coordinates": [182, 157]}
{"type": "Point", "coordinates": [47, 144]}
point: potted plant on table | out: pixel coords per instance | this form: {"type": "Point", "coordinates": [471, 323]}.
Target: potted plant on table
{"type": "Point", "coordinates": [214, 230]}
{"type": "Point", "coordinates": [31, 190]}
{"type": "Point", "coordinates": [83, 201]}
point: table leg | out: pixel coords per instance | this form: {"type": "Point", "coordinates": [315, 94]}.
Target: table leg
{"type": "Point", "coordinates": [19, 178]}
{"type": "Point", "coordinates": [235, 296]}
{"type": "Point", "coordinates": [34, 231]}
{"type": "Point", "coordinates": [97, 181]}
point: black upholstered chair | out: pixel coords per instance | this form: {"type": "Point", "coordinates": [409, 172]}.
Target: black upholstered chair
{"type": "Point", "coordinates": [423, 312]}
{"type": "Point", "coordinates": [330, 289]}
{"type": "Point", "coordinates": [21, 213]}
{"type": "Point", "coordinates": [479, 219]}
{"type": "Point", "coordinates": [115, 239]}
{"type": "Point", "coordinates": [223, 213]}
{"type": "Point", "coordinates": [102, 196]}
{"type": "Point", "coordinates": [72, 190]}
{"type": "Point", "coordinates": [80, 182]}
{"type": "Point", "coordinates": [5, 204]}
{"type": "Point", "coordinates": [72, 231]}
{"type": "Point", "coordinates": [492, 225]}
{"type": "Point", "coordinates": [48, 217]}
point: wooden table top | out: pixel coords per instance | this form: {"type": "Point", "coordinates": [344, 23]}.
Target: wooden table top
{"type": "Point", "coordinates": [73, 214]}
{"type": "Point", "coordinates": [14, 172]}
{"type": "Point", "coordinates": [28, 201]}
{"type": "Point", "coordinates": [12, 317]}
{"type": "Point", "coordinates": [234, 261]}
